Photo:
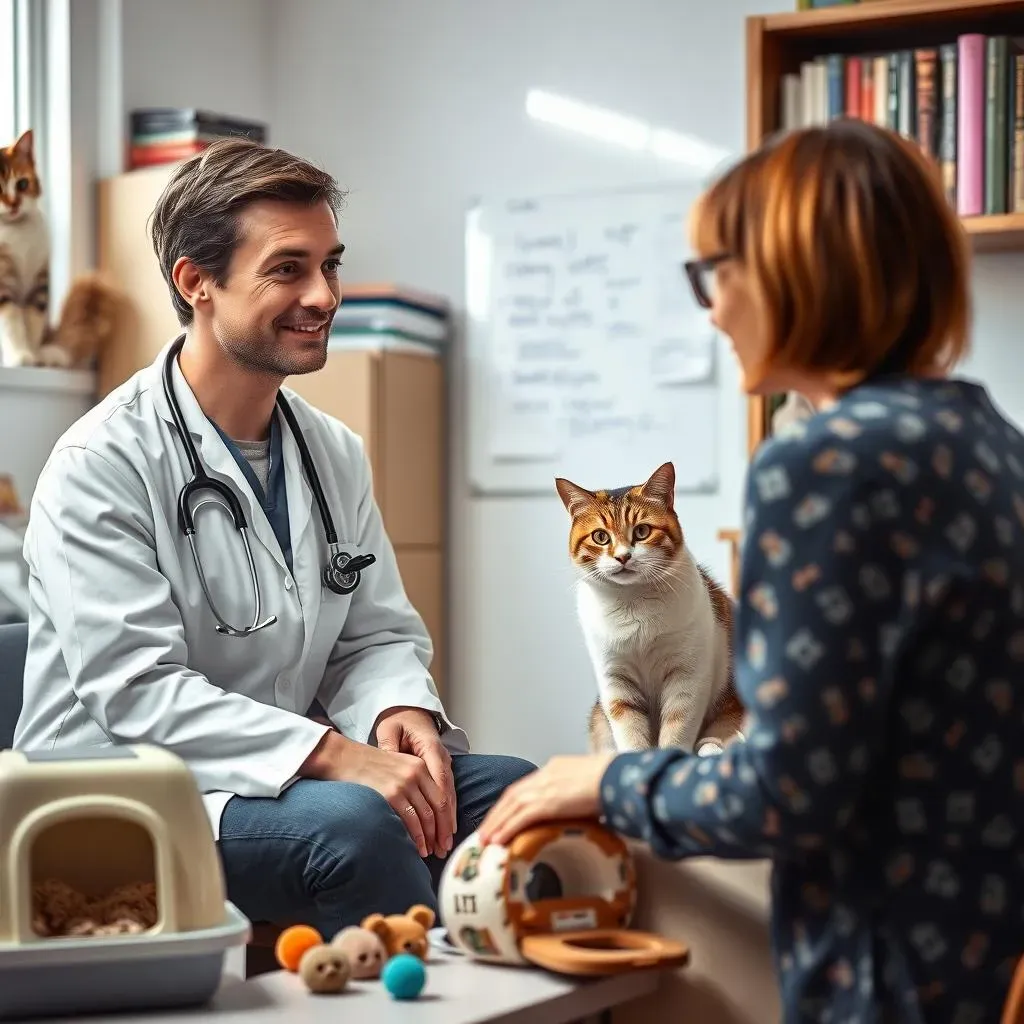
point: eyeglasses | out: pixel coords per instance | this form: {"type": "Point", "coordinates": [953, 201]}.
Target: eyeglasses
{"type": "Point", "coordinates": [700, 274]}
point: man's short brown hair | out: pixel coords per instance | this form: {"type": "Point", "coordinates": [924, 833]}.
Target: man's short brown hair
{"type": "Point", "coordinates": [861, 260]}
{"type": "Point", "coordinates": [198, 213]}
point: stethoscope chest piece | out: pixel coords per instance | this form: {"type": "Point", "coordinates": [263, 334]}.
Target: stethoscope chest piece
{"type": "Point", "coordinates": [342, 572]}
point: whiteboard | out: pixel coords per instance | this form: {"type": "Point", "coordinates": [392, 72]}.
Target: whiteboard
{"type": "Point", "coordinates": [587, 355]}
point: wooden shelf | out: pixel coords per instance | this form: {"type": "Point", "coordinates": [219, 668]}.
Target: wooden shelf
{"type": "Point", "coordinates": [874, 17]}
{"type": "Point", "coordinates": [778, 44]}
{"type": "Point", "coordinates": [1002, 232]}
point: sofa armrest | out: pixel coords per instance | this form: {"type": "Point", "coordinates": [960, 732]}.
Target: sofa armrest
{"type": "Point", "coordinates": [720, 909]}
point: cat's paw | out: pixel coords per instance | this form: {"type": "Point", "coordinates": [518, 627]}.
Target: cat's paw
{"type": "Point", "coordinates": [54, 356]}
{"type": "Point", "coordinates": [709, 747]}
{"type": "Point", "coordinates": [20, 358]}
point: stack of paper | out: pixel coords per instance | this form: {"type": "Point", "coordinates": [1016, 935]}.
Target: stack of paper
{"type": "Point", "coordinates": [379, 316]}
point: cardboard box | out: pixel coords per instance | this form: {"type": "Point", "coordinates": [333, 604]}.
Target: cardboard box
{"type": "Point", "coordinates": [422, 571]}
{"type": "Point", "coordinates": [395, 402]}
{"type": "Point", "coordinates": [126, 202]}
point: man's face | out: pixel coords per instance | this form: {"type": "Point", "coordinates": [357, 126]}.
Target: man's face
{"type": "Point", "coordinates": [274, 313]}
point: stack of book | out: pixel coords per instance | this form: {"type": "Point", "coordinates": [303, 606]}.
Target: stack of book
{"type": "Point", "coordinates": [390, 316]}
{"type": "Point", "coordinates": [164, 135]}
{"type": "Point", "coordinates": [962, 102]}
{"type": "Point", "coordinates": [811, 5]}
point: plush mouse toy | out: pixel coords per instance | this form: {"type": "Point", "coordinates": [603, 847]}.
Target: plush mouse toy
{"type": "Point", "coordinates": [403, 933]}
{"type": "Point", "coordinates": [363, 949]}
{"type": "Point", "coordinates": [325, 969]}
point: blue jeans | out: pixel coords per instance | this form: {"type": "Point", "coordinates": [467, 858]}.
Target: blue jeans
{"type": "Point", "coordinates": [330, 853]}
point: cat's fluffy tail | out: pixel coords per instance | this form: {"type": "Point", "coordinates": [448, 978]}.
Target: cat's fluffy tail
{"type": "Point", "coordinates": [90, 317]}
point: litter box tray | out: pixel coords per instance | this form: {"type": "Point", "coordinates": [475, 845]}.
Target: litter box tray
{"type": "Point", "coordinates": [66, 976]}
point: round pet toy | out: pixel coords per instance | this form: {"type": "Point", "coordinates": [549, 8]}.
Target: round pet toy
{"type": "Point", "coordinates": [364, 950]}
{"type": "Point", "coordinates": [324, 969]}
{"type": "Point", "coordinates": [560, 896]}
{"type": "Point", "coordinates": [404, 976]}
{"type": "Point", "coordinates": [293, 942]}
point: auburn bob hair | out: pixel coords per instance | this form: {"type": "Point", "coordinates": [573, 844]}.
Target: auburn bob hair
{"type": "Point", "coordinates": [861, 261]}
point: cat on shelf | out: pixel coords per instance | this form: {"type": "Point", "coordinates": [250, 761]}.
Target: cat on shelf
{"type": "Point", "coordinates": [90, 310]}
{"type": "Point", "coordinates": [657, 627]}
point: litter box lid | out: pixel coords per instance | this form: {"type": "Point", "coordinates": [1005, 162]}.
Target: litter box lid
{"type": "Point", "coordinates": [113, 759]}
{"type": "Point", "coordinates": [100, 804]}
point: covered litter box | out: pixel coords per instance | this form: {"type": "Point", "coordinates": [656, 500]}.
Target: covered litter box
{"type": "Point", "coordinates": [111, 889]}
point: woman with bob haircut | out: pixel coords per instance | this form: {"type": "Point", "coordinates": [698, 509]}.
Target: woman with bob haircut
{"type": "Point", "coordinates": [879, 634]}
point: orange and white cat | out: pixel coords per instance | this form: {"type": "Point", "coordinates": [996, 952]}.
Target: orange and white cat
{"type": "Point", "coordinates": [92, 305]}
{"type": "Point", "coordinates": [657, 627]}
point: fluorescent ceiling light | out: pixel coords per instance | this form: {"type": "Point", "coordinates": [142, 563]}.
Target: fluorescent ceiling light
{"type": "Point", "coordinates": [618, 129]}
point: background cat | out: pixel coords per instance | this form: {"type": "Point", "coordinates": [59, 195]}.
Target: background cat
{"type": "Point", "coordinates": [92, 308]}
{"type": "Point", "coordinates": [657, 627]}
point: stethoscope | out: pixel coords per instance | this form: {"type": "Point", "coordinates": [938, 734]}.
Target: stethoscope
{"type": "Point", "coordinates": [341, 574]}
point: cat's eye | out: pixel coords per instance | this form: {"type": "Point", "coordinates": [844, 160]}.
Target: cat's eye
{"type": "Point", "coordinates": [641, 531]}
{"type": "Point", "coordinates": [601, 537]}
{"type": "Point", "coordinates": [22, 185]}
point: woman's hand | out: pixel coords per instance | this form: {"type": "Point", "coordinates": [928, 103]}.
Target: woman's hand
{"type": "Point", "coordinates": [566, 787]}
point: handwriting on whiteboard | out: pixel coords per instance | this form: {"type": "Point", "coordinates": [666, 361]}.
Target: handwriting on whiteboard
{"type": "Point", "coordinates": [594, 331]}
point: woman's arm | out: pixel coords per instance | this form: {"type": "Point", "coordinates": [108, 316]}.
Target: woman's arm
{"type": "Point", "coordinates": [824, 580]}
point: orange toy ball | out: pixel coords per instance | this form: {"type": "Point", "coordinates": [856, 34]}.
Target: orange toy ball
{"type": "Point", "coordinates": [293, 942]}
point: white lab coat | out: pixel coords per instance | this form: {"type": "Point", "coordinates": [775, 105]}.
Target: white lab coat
{"type": "Point", "coordinates": [122, 644]}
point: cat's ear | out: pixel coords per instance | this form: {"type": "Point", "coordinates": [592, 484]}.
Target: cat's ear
{"type": "Point", "coordinates": [24, 146]}
{"type": "Point", "coordinates": [661, 485]}
{"type": "Point", "coordinates": [573, 496]}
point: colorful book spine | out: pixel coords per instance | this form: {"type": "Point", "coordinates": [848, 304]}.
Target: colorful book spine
{"type": "Point", "coordinates": [970, 179]}
{"type": "Point", "coordinates": [961, 101]}
{"type": "Point", "coordinates": [926, 98]}
{"type": "Point", "coordinates": [947, 133]}
{"type": "Point", "coordinates": [1017, 202]}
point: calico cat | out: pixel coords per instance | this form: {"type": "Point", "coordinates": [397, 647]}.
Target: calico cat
{"type": "Point", "coordinates": [657, 627]}
{"type": "Point", "coordinates": [92, 305]}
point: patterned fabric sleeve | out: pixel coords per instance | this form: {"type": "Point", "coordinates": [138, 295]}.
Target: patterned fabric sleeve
{"type": "Point", "coordinates": [828, 528]}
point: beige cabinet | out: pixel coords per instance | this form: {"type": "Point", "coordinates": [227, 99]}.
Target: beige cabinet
{"type": "Point", "coordinates": [395, 400]}
{"type": "Point", "coordinates": [124, 206]}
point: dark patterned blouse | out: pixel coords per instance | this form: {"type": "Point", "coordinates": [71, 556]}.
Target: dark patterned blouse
{"type": "Point", "coordinates": [880, 655]}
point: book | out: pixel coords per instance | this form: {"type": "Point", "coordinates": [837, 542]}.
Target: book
{"type": "Point", "coordinates": [161, 135]}
{"type": "Point", "coordinates": [961, 101]}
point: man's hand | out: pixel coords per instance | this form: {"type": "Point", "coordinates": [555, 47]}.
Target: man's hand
{"type": "Point", "coordinates": [412, 731]}
{"type": "Point", "coordinates": [402, 779]}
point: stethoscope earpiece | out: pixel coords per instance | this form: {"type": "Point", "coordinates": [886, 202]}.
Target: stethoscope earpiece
{"type": "Point", "coordinates": [341, 574]}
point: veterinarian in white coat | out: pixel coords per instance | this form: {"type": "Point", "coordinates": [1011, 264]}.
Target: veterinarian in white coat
{"type": "Point", "coordinates": [126, 617]}
{"type": "Point", "coordinates": [316, 824]}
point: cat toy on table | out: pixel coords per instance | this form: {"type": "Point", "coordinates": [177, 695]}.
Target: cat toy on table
{"type": "Point", "coordinates": [559, 896]}
{"type": "Point", "coordinates": [392, 947]}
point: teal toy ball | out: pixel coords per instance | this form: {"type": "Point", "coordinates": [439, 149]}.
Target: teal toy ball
{"type": "Point", "coordinates": [404, 976]}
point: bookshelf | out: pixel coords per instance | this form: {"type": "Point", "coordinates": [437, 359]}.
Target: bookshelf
{"type": "Point", "coordinates": [779, 44]}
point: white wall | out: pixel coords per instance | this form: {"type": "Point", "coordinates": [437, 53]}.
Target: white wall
{"type": "Point", "coordinates": [418, 108]}
{"type": "Point", "coordinates": [213, 54]}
